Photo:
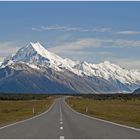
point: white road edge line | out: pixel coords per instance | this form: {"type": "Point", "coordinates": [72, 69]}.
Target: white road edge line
{"type": "Point", "coordinates": [28, 118]}
{"type": "Point", "coordinates": [62, 137]}
{"type": "Point", "coordinates": [121, 125]}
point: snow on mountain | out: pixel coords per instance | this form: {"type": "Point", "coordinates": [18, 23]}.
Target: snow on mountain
{"type": "Point", "coordinates": [34, 54]}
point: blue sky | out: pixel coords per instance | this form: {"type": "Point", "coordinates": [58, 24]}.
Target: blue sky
{"type": "Point", "coordinates": [90, 31]}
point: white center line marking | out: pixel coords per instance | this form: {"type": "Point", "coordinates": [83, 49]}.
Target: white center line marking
{"type": "Point", "coordinates": [60, 113]}
{"type": "Point", "coordinates": [62, 137]}
{"type": "Point", "coordinates": [61, 122]}
{"type": "Point", "coordinates": [61, 128]}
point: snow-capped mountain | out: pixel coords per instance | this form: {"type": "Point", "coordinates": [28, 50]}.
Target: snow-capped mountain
{"type": "Point", "coordinates": [75, 76]}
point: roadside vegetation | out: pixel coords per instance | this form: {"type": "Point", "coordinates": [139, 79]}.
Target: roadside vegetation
{"type": "Point", "coordinates": [123, 109]}
{"type": "Point", "coordinates": [19, 107]}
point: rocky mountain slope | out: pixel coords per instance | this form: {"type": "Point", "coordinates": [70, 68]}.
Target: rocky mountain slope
{"type": "Point", "coordinates": [36, 70]}
{"type": "Point", "coordinates": [137, 91]}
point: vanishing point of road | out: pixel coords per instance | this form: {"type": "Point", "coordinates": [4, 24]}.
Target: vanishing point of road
{"type": "Point", "coordinates": [62, 122]}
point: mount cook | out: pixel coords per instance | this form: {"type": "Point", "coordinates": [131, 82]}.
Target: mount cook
{"type": "Point", "coordinates": [33, 69]}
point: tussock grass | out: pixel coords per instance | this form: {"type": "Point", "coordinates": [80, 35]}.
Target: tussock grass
{"type": "Point", "coordinates": [12, 111]}
{"type": "Point", "coordinates": [118, 110]}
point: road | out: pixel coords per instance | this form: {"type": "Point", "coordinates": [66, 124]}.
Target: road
{"type": "Point", "coordinates": [61, 122]}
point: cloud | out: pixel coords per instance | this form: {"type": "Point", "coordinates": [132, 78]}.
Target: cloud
{"type": "Point", "coordinates": [7, 48]}
{"type": "Point", "coordinates": [60, 28]}
{"type": "Point", "coordinates": [76, 45]}
{"type": "Point", "coordinates": [126, 43]}
{"type": "Point", "coordinates": [81, 50]}
{"type": "Point", "coordinates": [70, 28]}
{"type": "Point", "coordinates": [65, 28]}
{"type": "Point", "coordinates": [128, 32]}
{"type": "Point", "coordinates": [35, 29]}
{"type": "Point", "coordinates": [127, 63]}
{"type": "Point", "coordinates": [81, 44]}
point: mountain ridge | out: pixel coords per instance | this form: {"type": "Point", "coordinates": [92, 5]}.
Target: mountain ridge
{"type": "Point", "coordinates": [137, 91]}
{"type": "Point", "coordinates": [103, 75]}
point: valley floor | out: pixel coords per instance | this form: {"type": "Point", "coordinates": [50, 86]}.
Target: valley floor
{"type": "Point", "coordinates": [118, 110]}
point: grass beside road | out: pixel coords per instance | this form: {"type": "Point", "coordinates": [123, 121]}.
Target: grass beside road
{"type": "Point", "coordinates": [12, 111]}
{"type": "Point", "coordinates": [118, 110]}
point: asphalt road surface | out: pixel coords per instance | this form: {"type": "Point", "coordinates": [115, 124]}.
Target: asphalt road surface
{"type": "Point", "coordinates": [61, 122]}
